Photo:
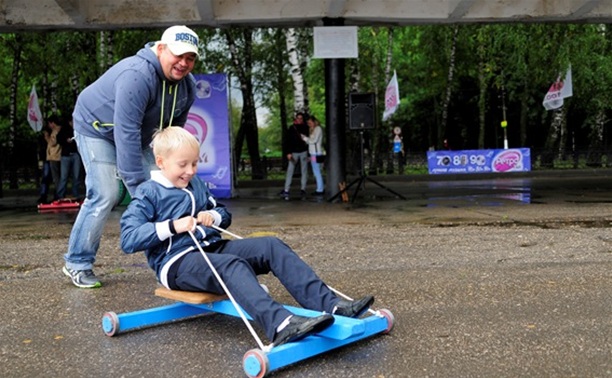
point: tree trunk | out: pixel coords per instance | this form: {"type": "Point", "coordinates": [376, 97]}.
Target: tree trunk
{"type": "Point", "coordinates": [548, 155]}
{"type": "Point", "coordinates": [524, 117]}
{"type": "Point", "coordinates": [596, 144]}
{"type": "Point", "coordinates": [449, 87]}
{"type": "Point", "coordinates": [106, 50]}
{"type": "Point", "coordinates": [304, 51]}
{"type": "Point", "coordinates": [281, 80]}
{"type": "Point", "coordinates": [354, 150]}
{"type": "Point", "coordinates": [562, 139]}
{"type": "Point", "coordinates": [482, 107]}
{"type": "Point", "coordinates": [374, 150]}
{"type": "Point", "coordinates": [299, 100]}
{"type": "Point", "coordinates": [242, 64]}
{"type": "Point", "coordinates": [482, 98]}
{"type": "Point", "coordinates": [386, 128]}
{"type": "Point", "coordinates": [13, 182]}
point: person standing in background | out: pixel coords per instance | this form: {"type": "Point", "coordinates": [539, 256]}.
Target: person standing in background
{"type": "Point", "coordinates": [314, 140]}
{"type": "Point", "coordinates": [297, 153]}
{"type": "Point", "coordinates": [70, 161]}
{"type": "Point", "coordinates": [54, 151]}
{"type": "Point", "coordinates": [43, 165]}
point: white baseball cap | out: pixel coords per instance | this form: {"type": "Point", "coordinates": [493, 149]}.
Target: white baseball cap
{"type": "Point", "coordinates": [180, 40]}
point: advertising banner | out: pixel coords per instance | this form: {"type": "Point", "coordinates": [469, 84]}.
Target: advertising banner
{"type": "Point", "coordinates": [208, 120]}
{"type": "Point", "coordinates": [34, 115]}
{"type": "Point", "coordinates": [479, 161]}
{"type": "Point", "coordinates": [559, 90]}
{"type": "Point", "coordinates": [392, 98]}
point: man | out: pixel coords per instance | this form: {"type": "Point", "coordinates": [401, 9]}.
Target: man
{"type": "Point", "coordinates": [297, 151]}
{"type": "Point", "coordinates": [114, 122]}
{"type": "Point", "coordinates": [54, 151]}
{"type": "Point", "coordinates": [70, 162]}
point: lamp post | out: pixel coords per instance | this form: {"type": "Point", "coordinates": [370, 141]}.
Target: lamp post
{"type": "Point", "coordinates": [504, 123]}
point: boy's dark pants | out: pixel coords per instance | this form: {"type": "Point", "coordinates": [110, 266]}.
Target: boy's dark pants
{"type": "Point", "coordinates": [238, 262]}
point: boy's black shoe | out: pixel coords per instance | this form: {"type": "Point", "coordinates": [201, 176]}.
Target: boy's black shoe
{"type": "Point", "coordinates": [300, 327]}
{"type": "Point", "coordinates": [354, 309]}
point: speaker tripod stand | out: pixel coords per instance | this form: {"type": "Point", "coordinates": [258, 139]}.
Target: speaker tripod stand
{"type": "Point", "coordinates": [360, 181]}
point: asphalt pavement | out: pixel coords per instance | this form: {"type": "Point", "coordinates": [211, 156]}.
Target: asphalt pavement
{"type": "Point", "coordinates": [505, 276]}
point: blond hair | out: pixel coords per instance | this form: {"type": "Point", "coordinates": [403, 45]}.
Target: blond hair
{"type": "Point", "coordinates": [173, 138]}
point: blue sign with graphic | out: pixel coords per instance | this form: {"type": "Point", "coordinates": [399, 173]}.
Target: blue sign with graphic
{"type": "Point", "coordinates": [209, 121]}
{"type": "Point", "coordinates": [479, 161]}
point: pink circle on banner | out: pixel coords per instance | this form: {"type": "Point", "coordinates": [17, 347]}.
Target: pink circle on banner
{"type": "Point", "coordinates": [507, 161]}
{"type": "Point", "coordinates": [197, 126]}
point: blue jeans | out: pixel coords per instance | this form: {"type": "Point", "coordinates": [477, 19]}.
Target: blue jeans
{"type": "Point", "coordinates": [45, 180]}
{"type": "Point", "coordinates": [102, 195]}
{"type": "Point", "coordinates": [302, 157]}
{"type": "Point", "coordinates": [71, 166]}
{"type": "Point", "coordinates": [316, 170]}
{"type": "Point", "coordinates": [55, 166]}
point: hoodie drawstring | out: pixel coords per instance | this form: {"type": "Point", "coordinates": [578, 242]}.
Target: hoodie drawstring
{"type": "Point", "coordinates": [163, 104]}
{"type": "Point", "coordinates": [97, 124]}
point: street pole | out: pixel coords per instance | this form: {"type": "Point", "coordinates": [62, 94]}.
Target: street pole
{"type": "Point", "coordinates": [504, 123]}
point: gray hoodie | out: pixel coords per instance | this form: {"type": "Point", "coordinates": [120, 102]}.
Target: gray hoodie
{"type": "Point", "coordinates": [127, 104]}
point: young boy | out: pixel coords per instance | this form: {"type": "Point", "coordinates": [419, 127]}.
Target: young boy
{"type": "Point", "coordinates": [174, 201]}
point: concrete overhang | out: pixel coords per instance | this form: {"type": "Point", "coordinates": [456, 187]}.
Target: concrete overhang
{"type": "Point", "coordinates": [30, 15]}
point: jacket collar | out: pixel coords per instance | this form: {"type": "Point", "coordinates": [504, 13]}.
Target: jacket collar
{"type": "Point", "coordinates": [158, 177]}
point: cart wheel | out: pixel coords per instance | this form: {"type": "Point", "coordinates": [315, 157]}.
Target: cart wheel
{"type": "Point", "coordinates": [255, 363]}
{"type": "Point", "coordinates": [110, 323]}
{"type": "Point", "coordinates": [390, 319]}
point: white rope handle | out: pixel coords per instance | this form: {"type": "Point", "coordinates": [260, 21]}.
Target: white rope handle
{"type": "Point", "coordinates": [227, 292]}
{"type": "Point", "coordinates": [226, 232]}
{"type": "Point", "coordinates": [330, 288]}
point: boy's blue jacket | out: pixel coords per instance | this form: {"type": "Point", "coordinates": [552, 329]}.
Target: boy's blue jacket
{"type": "Point", "coordinates": [127, 104]}
{"type": "Point", "coordinates": [144, 224]}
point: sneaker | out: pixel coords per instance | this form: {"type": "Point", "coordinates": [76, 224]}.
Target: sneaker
{"type": "Point", "coordinates": [284, 194]}
{"type": "Point", "coordinates": [82, 278]}
{"type": "Point", "coordinates": [303, 193]}
{"type": "Point", "coordinates": [299, 327]}
{"type": "Point", "coordinates": [355, 308]}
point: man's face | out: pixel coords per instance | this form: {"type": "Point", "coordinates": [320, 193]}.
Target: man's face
{"type": "Point", "coordinates": [175, 67]}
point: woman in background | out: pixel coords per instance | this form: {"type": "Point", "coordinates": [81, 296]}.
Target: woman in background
{"type": "Point", "coordinates": [315, 149]}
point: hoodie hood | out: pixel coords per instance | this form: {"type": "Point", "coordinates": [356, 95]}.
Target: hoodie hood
{"type": "Point", "coordinates": [148, 53]}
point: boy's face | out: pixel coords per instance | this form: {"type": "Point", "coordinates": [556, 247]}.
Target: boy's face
{"type": "Point", "coordinates": [179, 166]}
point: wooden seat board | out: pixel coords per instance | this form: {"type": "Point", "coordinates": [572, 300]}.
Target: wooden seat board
{"type": "Point", "coordinates": [188, 296]}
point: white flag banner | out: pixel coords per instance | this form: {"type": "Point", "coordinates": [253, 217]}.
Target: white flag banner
{"type": "Point", "coordinates": [391, 97]}
{"type": "Point", "coordinates": [34, 115]}
{"type": "Point", "coordinates": [558, 91]}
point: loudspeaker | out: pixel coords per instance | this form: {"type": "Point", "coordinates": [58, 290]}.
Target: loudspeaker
{"type": "Point", "coordinates": [361, 111]}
